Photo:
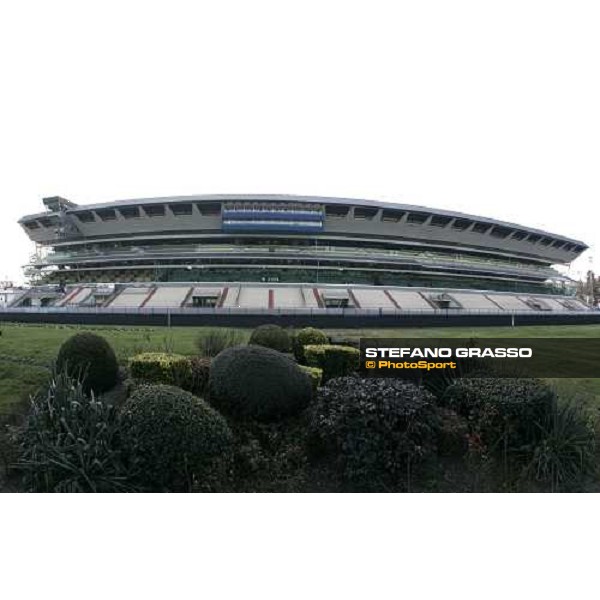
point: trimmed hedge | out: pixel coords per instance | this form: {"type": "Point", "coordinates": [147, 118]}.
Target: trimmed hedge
{"type": "Point", "coordinates": [315, 374]}
{"type": "Point", "coordinates": [271, 336]}
{"type": "Point", "coordinates": [177, 441]}
{"type": "Point", "coordinates": [377, 431]}
{"type": "Point", "coordinates": [158, 367]}
{"type": "Point", "coordinates": [253, 382]}
{"type": "Point", "coordinates": [335, 361]}
{"type": "Point", "coordinates": [309, 336]}
{"type": "Point", "coordinates": [89, 358]}
{"type": "Point", "coordinates": [507, 413]}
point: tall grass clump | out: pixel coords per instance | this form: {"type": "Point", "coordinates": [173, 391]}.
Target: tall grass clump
{"type": "Point", "coordinates": [566, 452]}
{"type": "Point", "coordinates": [70, 441]}
{"type": "Point", "coordinates": [213, 341]}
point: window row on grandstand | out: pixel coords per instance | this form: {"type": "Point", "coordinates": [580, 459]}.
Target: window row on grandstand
{"type": "Point", "coordinates": [323, 264]}
{"type": "Point", "coordinates": [125, 250]}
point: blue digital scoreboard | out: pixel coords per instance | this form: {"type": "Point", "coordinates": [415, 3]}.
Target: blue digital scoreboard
{"type": "Point", "coordinates": [267, 217]}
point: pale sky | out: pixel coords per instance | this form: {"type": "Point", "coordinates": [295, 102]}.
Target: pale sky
{"type": "Point", "coordinates": [489, 108]}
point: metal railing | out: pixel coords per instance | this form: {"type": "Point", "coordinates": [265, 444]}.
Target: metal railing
{"type": "Point", "coordinates": [374, 312]}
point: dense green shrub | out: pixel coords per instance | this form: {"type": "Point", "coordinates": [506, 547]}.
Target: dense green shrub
{"type": "Point", "coordinates": [377, 430]}
{"type": "Point", "coordinates": [213, 341]}
{"type": "Point", "coordinates": [336, 361]}
{"type": "Point", "coordinates": [309, 336]}
{"type": "Point", "coordinates": [177, 441]}
{"type": "Point", "coordinates": [271, 336]}
{"type": "Point", "coordinates": [453, 433]}
{"type": "Point", "coordinates": [158, 367]}
{"type": "Point", "coordinates": [315, 374]}
{"type": "Point", "coordinates": [270, 457]}
{"type": "Point", "coordinates": [200, 369]}
{"type": "Point", "coordinates": [506, 413]}
{"type": "Point", "coordinates": [89, 357]}
{"type": "Point", "coordinates": [70, 442]}
{"type": "Point", "coordinates": [253, 382]}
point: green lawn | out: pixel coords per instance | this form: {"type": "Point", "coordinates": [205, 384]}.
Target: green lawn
{"type": "Point", "coordinates": [548, 331]}
{"type": "Point", "coordinates": [27, 351]}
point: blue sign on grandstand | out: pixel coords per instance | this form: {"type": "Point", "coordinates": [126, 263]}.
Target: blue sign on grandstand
{"type": "Point", "coordinates": [294, 221]}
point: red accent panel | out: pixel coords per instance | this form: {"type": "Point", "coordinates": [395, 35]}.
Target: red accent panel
{"type": "Point", "coordinates": [427, 300]}
{"type": "Point", "coordinates": [354, 300]}
{"type": "Point", "coordinates": [318, 298]}
{"type": "Point", "coordinates": [271, 299]}
{"type": "Point", "coordinates": [187, 297]}
{"type": "Point", "coordinates": [223, 298]}
{"type": "Point", "coordinates": [387, 293]}
{"type": "Point", "coordinates": [152, 292]}
{"type": "Point", "coordinates": [112, 298]}
{"type": "Point", "coordinates": [70, 296]}
{"type": "Point", "coordinates": [493, 301]}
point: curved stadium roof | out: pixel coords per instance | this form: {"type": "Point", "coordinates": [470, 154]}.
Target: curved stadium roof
{"type": "Point", "coordinates": [500, 235]}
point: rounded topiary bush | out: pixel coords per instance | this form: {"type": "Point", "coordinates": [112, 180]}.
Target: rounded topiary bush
{"type": "Point", "coordinates": [306, 337]}
{"type": "Point", "coordinates": [89, 357]}
{"type": "Point", "coordinates": [271, 336]}
{"type": "Point", "coordinates": [253, 382]}
{"type": "Point", "coordinates": [376, 431]}
{"type": "Point", "coordinates": [176, 441]}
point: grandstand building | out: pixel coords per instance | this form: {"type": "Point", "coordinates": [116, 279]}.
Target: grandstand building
{"type": "Point", "coordinates": [290, 252]}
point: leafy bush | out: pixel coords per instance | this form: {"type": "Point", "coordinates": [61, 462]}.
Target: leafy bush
{"type": "Point", "coordinates": [213, 341]}
{"type": "Point", "coordinates": [309, 336]}
{"type": "Point", "coordinates": [157, 367]}
{"type": "Point", "coordinates": [177, 441]}
{"type": "Point", "coordinates": [316, 376]}
{"type": "Point", "coordinates": [70, 442]}
{"type": "Point", "coordinates": [271, 336]}
{"type": "Point", "coordinates": [200, 368]}
{"type": "Point", "coordinates": [270, 457]}
{"type": "Point", "coordinates": [565, 453]}
{"type": "Point", "coordinates": [453, 433]}
{"type": "Point", "coordinates": [336, 361]}
{"type": "Point", "coordinates": [505, 412]}
{"type": "Point", "coordinates": [376, 430]}
{"type": "Point", "coordinates": [253, 382]}
{"type": "Point", "coordinates": [89, 357]}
